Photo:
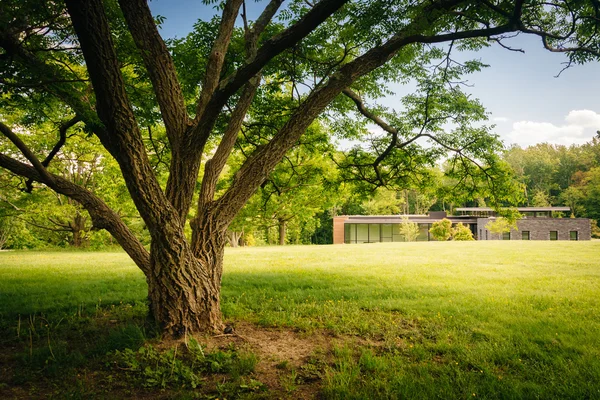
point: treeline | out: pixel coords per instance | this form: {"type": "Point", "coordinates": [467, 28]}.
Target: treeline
{"type": "Point", "coordinates": [558, 175]}
{"type": "Point", "coordinates": [298, 201]}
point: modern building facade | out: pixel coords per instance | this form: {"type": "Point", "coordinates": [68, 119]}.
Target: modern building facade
{"type": "Point", "coordinates": [537, 223]}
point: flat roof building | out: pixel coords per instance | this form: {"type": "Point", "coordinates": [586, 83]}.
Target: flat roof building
{"type": "Point", "coordinates": [537, 223]}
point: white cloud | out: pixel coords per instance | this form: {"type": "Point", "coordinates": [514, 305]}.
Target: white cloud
{"type": "Point", "coordinates": [584, 118]}
{"type": "Point", "coordinates": [580, 127]}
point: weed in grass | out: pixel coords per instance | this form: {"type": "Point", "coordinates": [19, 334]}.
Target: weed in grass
{"type": "Point", "coordinates": [289, 381]}
{"type": "Point", "coordinates": [282, 365]}
{"type": "Point", "coordinates": [181, 367]}
{"type": "Point", "coordinates": [151, 368]}
{"type": "Point", "coordinates": [242, 389]}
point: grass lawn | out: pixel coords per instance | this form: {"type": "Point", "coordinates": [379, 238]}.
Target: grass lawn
{"type": "Point", "coordinates": [390, 320]}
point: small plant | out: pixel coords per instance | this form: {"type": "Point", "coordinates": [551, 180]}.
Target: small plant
{"type": "Point", "coordinates": [409, 230]}
{"type": "Point", "coordinates": [244, 363]}
{"type": "Point", "coordinates": [289, 381]}
{"type": "Point", "coordinates": [500, 225]}
{"type": "Point", "coordinates": [155, 369]}
{"type": "Point", "coordinates": [283, 365]}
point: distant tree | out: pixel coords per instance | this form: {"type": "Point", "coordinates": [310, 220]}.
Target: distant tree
{"type": "Point", "coordinates": [6, 228]}
{"type": "Point", "coordinates": [595, 229]}
{"type": "Point", "coordinates": [573, 197]}
{"type": "Point", "coordinates": [501, 225]}
{"type": "Point", "coordinates": [384, 202]}
{"type": "Point", "coordinates": [441, 230]}
{"type": "Point", "coordinates": [540, 198]}
{"type": "Point", "coordinates": [591, 193]}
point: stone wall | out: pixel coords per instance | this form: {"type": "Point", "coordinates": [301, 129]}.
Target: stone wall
{"type": "Point", "coordinates": [539, 228]}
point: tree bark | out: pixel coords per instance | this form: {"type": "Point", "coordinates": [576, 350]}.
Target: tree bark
{"type": "Point", "coordinates": [184, 287]}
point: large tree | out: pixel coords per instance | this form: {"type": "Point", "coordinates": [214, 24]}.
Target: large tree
{"type": "Point", "coordinates": [106, 63]}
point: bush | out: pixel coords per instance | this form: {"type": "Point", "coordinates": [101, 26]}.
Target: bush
{"type": "Point", "coordinates": [441, 230]}
{"type": "Point", "coordinates": [462, 232]}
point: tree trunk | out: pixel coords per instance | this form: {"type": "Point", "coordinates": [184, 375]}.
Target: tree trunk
{"type": "Point", "coordinates": [281, 232]}
{"type": "Point", "coordinates": [77, 226]}
{"type": "Point", "coordinates": [234, 238]}
{"type": "Point", "coordinates": [77, 239]}
{"type": "Point", "coordinates": [184, 289]}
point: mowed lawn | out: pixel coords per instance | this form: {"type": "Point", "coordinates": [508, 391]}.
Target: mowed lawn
{"type": "Point", "coordinates": [436, 319]}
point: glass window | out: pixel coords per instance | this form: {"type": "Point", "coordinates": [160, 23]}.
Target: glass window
{"type": "Point", "coordinates": [553, 235]}
{"type": "Point", "coordinates": [542, 213]}
{"type": "Point", "coordinates": [386, 232]}
{"type": "Point", "coordinates": [573, 235]}
{"type": "Point", "coordinates": [352, 233]}
{"type": "Point", "coordinates": [362, 233]}
{"type": "Point", "coordinates": [396, 236]}
{"type": "Point", "coordinates": [480, 235]}
{"type": "Point", "coordinates": [528, 214]}
{"type": "Point", "coordinates": [423, 233]}
{"type": "Point", "coordinates": [506, 236]}
{"type": "Point", "coordinates": [347, 233]}
{"type": "Point", "coordinates": [525, 235]}
{"type": "Point", "coordinates": [374, 236]}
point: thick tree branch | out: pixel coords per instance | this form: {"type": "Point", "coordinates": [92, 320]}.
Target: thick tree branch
{"type": "Point", "coordinates": [160, 66]}
{"type": "Point", "coordinates": [216, 164]}
{"type": "Point", "coordinates": [102, 216]}
{"type": "Point", "coordinates": [259, 26]}
{"type": "Point", "coordinates": [269, 50]}
{"type": "Point", "coordinates": [276, 45]}
{"type": "Point", "coordinates": [217, 55]}
{"type": "Point", "coordinates": [185, 160]}
{"type": "Point", "coordinates": [186, 164]}
{"type": "Point", "coordinates": [115, 111]}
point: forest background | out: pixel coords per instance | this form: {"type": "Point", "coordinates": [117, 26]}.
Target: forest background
{"type": "Point", "coordinates": [297, 203]}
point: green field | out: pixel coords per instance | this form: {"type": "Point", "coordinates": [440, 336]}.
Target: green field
{"type": "Point", "coordinates": [398, 320]}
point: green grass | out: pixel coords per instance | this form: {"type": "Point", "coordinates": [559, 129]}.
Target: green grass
{"type": "Point", "coordinates": [438, 319]}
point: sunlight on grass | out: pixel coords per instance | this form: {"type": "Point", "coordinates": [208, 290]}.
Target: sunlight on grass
{"type": "Point", "coordinates": [445, 319]}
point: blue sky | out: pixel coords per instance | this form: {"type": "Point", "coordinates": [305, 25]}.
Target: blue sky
{"type": "Point", "coordinates": [527, 103]}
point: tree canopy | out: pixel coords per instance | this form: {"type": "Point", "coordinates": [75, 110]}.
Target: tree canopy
{"type": "Point", "coordinates": [172, 113]}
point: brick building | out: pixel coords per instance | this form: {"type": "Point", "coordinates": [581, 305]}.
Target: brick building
{"type": "Point", "coordinates": [537, 223]}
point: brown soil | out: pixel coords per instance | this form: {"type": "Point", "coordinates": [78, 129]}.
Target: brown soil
{"type": "Point", "coordinates": [281, 353]}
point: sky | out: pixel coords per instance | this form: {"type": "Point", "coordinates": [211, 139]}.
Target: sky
{"type": "Point", "coordinates": [527, 102]}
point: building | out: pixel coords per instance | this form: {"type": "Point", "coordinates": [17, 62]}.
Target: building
{"type": "Point", "coordinates": [537, 223]}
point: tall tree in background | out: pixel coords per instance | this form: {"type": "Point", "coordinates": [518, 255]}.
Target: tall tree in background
{"type": "Point", "coordinates": [108, 66]}
{"type": "Point", "coordinates": [296, 190]}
